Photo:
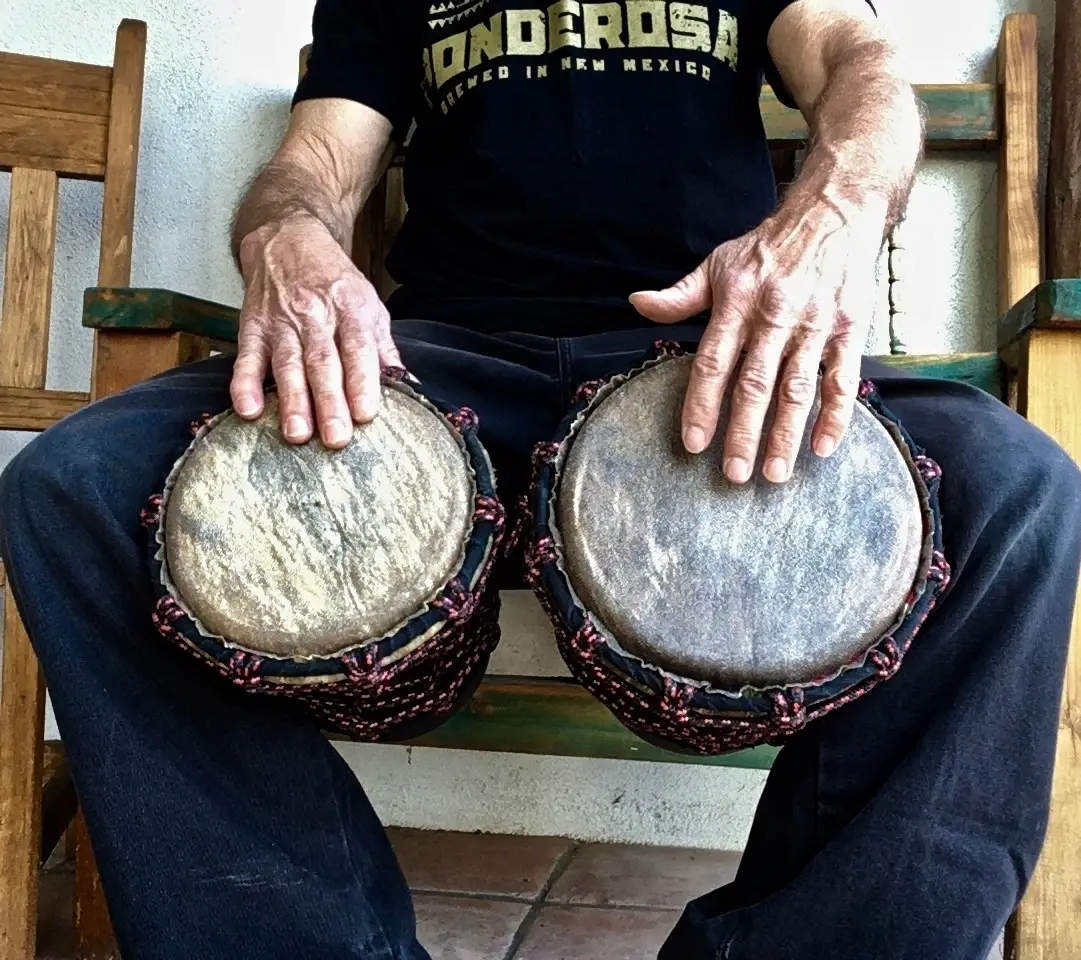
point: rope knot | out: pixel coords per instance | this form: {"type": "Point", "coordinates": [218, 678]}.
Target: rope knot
{"type": "Point", "coordinates": [489, 510]}
{"type": "Point", "coordinates": [868, 388]}
{"type": "Point", "coordinates": [667, 348]}
{"type": "Point", "coordinates": [788, 711]}
{"type": "Point", "coordinates": [150, 515]}
{"type": "Point", "coordinates": [243, 668]}
{"type": "Point", "coordinates": [928, 468]}
{"type": "Point", "coordinates": [538, 555]}
{"type": "Point", "coordinates": [396, 374]}
{"type": "Point", "coordinates": [456, 601]}
{"type": "Point", "coordinates": [464, 420]}
{"type": "Point", "coordinates": [199, 422]}
{"type": "Point", "coordinates": [587, 391]}
{"type": "Point", "coordinates": [886, 659]}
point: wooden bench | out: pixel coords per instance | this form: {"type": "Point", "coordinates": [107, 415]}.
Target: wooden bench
{"type": "Point", "coordinates": [141, 332]}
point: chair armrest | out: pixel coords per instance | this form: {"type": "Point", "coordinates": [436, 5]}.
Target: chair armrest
{"type": "Point", "coordinates": [1054, 304]}
{"type": "Point", "coordinates": [117, 308]}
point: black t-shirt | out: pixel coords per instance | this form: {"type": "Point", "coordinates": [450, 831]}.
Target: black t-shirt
{"type": "Point", "coordinates": [563, 156]}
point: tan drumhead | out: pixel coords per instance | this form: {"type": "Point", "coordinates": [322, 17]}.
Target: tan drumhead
{"type": "Point", "coordinates": [760, 584]}
{"type": "Point", "coordinates": [299, 551]}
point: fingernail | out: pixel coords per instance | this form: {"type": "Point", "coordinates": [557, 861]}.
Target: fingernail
{"type": "Point", "coordinates": [295, 427]}
{"type": "Point", "coordinates": [775, 470]}
{"type": "Point", "coordinates": [694, 439]}
{"type": "Point", "coordinates": [737, 470]}
{"type": "Point", "coordinates": [247, 407]}
{"type": "Point", "coordinates": [825, 446]}
{"type": "Point", "coordinates": [336, 432]}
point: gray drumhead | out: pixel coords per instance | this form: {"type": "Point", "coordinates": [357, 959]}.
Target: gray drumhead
{"type": "Point", "coordinates": [299, 551]}
{"type": "Point", "coordinates": [758, 585]}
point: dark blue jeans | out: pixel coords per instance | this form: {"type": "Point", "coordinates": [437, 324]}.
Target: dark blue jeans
{"type": "Point", "coordinates": [904, 826]}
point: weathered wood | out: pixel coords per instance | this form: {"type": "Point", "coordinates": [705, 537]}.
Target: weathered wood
{"type": "Point", "coordinates": [22, 409]}
{"type": "Point", "coordinates": [1018, 174]}
{"type": "Point", "coordinates": [1064, 160]}
{"type": "Point", "coordinates": [958, 115]}
{"type": "Point", "coordinates": [28, 282]}
{"type": "Point", "coordinates": [58, 802]}
{"type": "Point", "coordinates": [22, 715]}
{"type": "Point", "coordinates": [1048, 923]}
{"type": "Point", "coordinates": [124, 359]}
{"type": "Point", "coordinates": [59, 85]}
{"type": "Point", "coordinates": [125, 119]}
{"type": "Point", "coordinates": [65, 143]}
{"type": "Point", "coordinates": [149, 309]}
{"type": "Point", "coordinates": [982, 370]}
{"type": "Point", "coordinates": [1054, 303]}
{"type": "Point", "coordinates": [94, 937]}
{"type": "Point", "coordinates": [558, 718]}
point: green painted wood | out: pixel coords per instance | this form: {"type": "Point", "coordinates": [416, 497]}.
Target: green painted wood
{"type": "Point", "coordinates": [559, 718]}
{"type": "Point", "coordinates": [1054, 303]}
{"type": "Point", "coordinates": [958, 115]}
{"type": "Point", "coordinates": [112, 308]}
{"type": "Point", "coordinates": [983, 370]}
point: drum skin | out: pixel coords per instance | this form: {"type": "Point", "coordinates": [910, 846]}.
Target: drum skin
{"type": "Point", "coordinates": [298, 551]}
{"type": "Point", "coordinates": [757, 584]}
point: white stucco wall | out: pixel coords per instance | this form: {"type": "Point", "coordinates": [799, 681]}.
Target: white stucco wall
{"type": "Point", "coordinates": [219, 79]}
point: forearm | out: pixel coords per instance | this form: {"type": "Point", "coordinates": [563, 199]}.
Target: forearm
{"type": "Point", "coordinates": [332, 157]}
{"type": "Point", "coordinates": [867, 139]}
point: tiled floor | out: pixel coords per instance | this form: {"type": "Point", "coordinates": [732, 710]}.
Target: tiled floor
{"type": "Point", "coordinates": [482, 897]}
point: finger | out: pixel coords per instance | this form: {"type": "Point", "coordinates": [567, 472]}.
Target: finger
{"type": "Point", "coordinates": [840, 386]}
{"type": "Point", "coordinates": [751, 398]}
{"type": "Point", "coordinates": [384, 342]}
{"type": "Point", "coordinates": [688, 297]}
{"type": "Point", "coordinates": [294, 403]}
{"type": "Point", "coordinates": [795, 397]}
{"type": "Point", "coordinates": [711, 369]}
{"type": "Point", "coordinates": [323, 367]}
{"type": "Point", "coordinates": [361, 365]}
{"type": "Point", "coordinates": [250, 369]}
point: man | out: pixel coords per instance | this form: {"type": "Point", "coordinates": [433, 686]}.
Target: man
{"type": "Point", "coordinates": [564, 160]}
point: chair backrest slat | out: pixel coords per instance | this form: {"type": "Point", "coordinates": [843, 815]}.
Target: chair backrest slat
{"type": "Point", "coordinates": [28, 281]}
{"type": "Point", "coordinates": [54, 115]}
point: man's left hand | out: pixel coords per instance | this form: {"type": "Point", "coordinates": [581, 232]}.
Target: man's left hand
{"type": "Point", "coordinates": [791, 297]}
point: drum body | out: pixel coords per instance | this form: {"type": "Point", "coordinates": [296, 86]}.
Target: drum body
{"type": "Point", "coordinates": [709, 616]}
{"type": "Point", "coordinates": [352, 581]}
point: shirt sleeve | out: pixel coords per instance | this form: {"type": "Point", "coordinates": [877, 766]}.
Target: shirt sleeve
{"type": "Point", "coordinates": [367, 51]}
{"type": "Point", "coordinates": [770, 11]}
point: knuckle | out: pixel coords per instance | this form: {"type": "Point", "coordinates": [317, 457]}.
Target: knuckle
{"type": "Point", "coordinates": [753, 386]}
{"type": "Point", "coordinates": [708, 366]}
{"type": "Point", "coordinates": [798, 390]}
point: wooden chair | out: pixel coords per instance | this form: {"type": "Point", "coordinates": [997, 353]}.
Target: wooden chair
{"type": "Point", "coordinates": [57, 119]}
{"type": "Point", "coordinates": [141, 331]}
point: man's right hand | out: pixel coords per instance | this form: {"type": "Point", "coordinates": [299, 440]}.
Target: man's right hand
{"type": "Point", "coordinates": [314, 320]}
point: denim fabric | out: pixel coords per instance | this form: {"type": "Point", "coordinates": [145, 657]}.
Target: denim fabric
{"type": "Point", "coordinates": [225, 825]}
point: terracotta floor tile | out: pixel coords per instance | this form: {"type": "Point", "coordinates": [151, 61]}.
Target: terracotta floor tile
{"type": "Point", "coordinates": [660, 877]}
{"type": "Point", "coordinates": [440, 862]}
{"type": "Point", "coordinates": [587, 933]}
{"type": "Point", "coordinates": [467, 928]}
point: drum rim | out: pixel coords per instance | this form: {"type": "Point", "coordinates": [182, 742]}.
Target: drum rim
{"type": "Point", "coordinates": [749, 715]}
{"type": "Point", "coordinates": [479, 549]}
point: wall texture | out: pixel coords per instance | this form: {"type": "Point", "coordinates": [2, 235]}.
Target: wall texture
{"type": "Point", "coordinates": [219, 78]}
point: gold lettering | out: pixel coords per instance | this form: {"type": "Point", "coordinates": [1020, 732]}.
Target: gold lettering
{"type": "Point", "coordinates": [692, 67]}
{"type": "Point", "coordinates": [472, 82]}
{"type": "Point", "coordinates": [598, 65]}
{"type": "Point", "coordinates": [663, 64]}
{"type": "Point", "coordinates": [458, 91]}
{"type": "Point", "coordinates": [542, 70]}
{"type": "Point", "coordinates": [677, 66]}
{"type": "Point", "coordinates": [561, 31]}
{"type": "Point", "coordinates": [448, 57]}
{"type": "Point", "coordinates": [727, 47]}
{"type": "Point", "coordinates": [602, 26]}
{"type": "Point", "coordinates": [647, 23]}
{"type": "Point", "coordinates": [705, 72]}
{"type": "Point", "coordinates": [647, 64]}
{"type": "Point", "coordinates": [529, 73]}
{"type": "Point", "coordinates": [566, 63]}
{"type": "Point", "coordinates": [690, 27]}
{"type": "Point", "coordinates": [450, 98]}
{"type": "Point", "coordinates": [446, 109]}
{"type": "Point", "coordinates": [486, 76]}
{"type": "Point", "coordinates": [504, 72]}
{"type": "Point", "coordinates": [580, 63]}
{"type": "Point", "coordinates": [629, 66]}
{"type": "Point", "coordinates": [486, 41]}
{"type": "Point", "coordinates": [526, 33]}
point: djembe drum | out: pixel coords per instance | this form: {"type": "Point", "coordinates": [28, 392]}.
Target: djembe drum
{"type": "Point", "coordinates": [709, 616]}
{"type": "Point", "coordinates": [353, 581]}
